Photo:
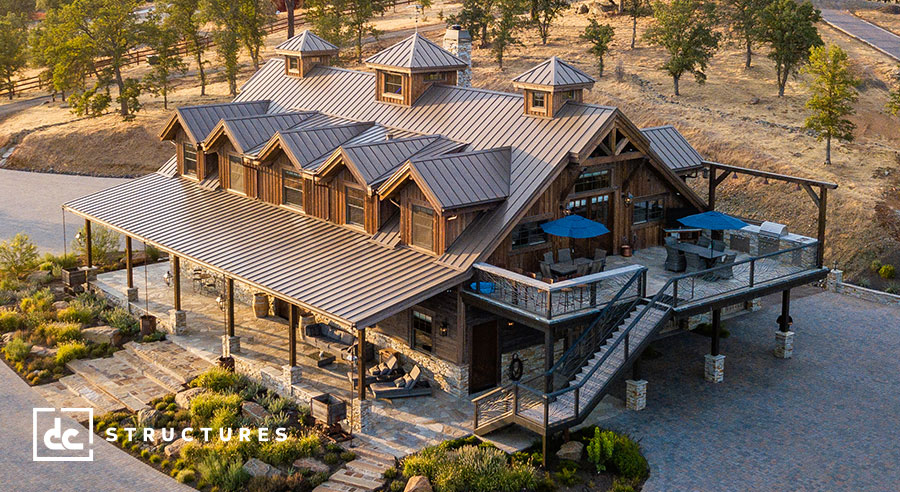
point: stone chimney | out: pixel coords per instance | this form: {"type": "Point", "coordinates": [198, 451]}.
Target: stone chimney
{"type": "Point", "coordinates": [458, 42]}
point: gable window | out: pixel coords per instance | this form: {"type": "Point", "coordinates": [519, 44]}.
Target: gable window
{"type": "Point", "coordinates": [648, 211]}
{"type": "Point", "coordinates": [564, 95]}
{"type": "Point", "coordinates": [293, 64]}
{"type": "Point", "coordinates": [393, 84]}
{"type": "Point", "coordinates": [434, 77]}
{"type": "Point", "coordinates": [236, 174]}
{"type": "Point", "coordinates": [422, 331]}
{"type": "Point", "coordinates": [538, 100]}
{"type": "Point", "coordinates": [291, 189]}
{"type": "Point", "coordinates": [595, 208]}
{"type": "Point", "coordinates": [528, 234]}
{"type": "Point", "coordinates": [356, 199]}
{"type": "Point", "coordinates": [592, 180]}
{"type": "Point", "coordinates": [190, 160]}
{"type": "Point", "coordinates": [423, 227]}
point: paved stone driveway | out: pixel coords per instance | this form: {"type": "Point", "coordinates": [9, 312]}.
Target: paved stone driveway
{"type": "Point", "coordinates": [111, 470]}
{"type": "Point", "coordinates": [828, 419]}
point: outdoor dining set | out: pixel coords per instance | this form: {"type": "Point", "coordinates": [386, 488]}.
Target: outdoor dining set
{"type": "Point", "coordinates": [705, 253]}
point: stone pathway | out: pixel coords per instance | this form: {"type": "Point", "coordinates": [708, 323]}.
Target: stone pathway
{"type": "Point", "coordinates": [364, 474]}
{"type": "Point", "coordinates": [128, 380]}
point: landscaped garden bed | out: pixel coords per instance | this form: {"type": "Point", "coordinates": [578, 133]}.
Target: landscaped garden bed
{"type": "Point", "coordinates": [226, 433]}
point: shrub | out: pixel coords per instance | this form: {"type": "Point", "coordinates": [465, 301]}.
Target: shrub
{"type": "Point", "coordinates": [627, 459]}
{"type": "Point", "coordinates": [145, 454]}
{"type": "Point", "coordinates": [886, 272]}
{"type": "Point", "coordinates": [279, 404]}
{"type": "Point", "coordinates": [18, 256]}
{"type": "Point", "coordinates": [470, 468]}
{"type": "Point", "coordinates": [391, 473]}
{"type": "Point", "coordinates": [348, 456]}
{"type": "Point", "coordinates": [11, 321]}
{"type": "Point", "coordinates": [397, 486]}
{"type": "Point", "coordinates": [155, 458]}
{"type": "Point", "coordinates": [875, 266]}
{"type": "Point", "coordinates": [285, 452]}
{"type": "Point", "coordinates": [17, 350]}
{"type": "Point", "coordinates": [185, 476]}
{"type": "Point", "coordinates": [279, 419]}
{"type": "Point", "coordinates": [154, 337]}
{"type": "Point", "coordinates": [318, 479]}
{"type": "Point", "coordinates": [204, 406]}
{"type": "Point", "coordinates": [600, 448]}
{"type": "Point", "coordinates": [104, 243]}
{"type": "Point", "coordinates": [70, 351]}
{"type": "Point", "coordinates": [278, 483]}
{"type": "Point", "coordinates": [224, 418]}
{"type": "Point", "coordinates": [216, 379]}
{"type": "Point", "coordinates": [165, 464]}
{"type": "Point", "coordinates": [38, 302]}
{"type": "Point", "coordinates": [225, 474]}
{"type": "Point", "coordinates": [621, 486]}
{"type": "Point", "coordinates": [52, 334]}
{"type": "Point", "coordinates": [568, 476]}
{"type": "Point", "coordinates": [331, 458]}
{"type": "Point", "coordinates": [75, 314]}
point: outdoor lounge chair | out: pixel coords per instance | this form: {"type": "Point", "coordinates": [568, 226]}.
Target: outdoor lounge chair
{"type": "Point", "coordinates": [675, 261]}
{"type": "Point", "coordinates": [598, 266]}
{"type": "Point", "coordinates": [388, 370]}
{"type": "Point", "coordinates": [565, 255]}
{"type": "Point", "coordinates": [404, 387]}
{"type": "Point", "coordinates": [726, 272]}
{"type": "Point", "coordinates": [582, 269]}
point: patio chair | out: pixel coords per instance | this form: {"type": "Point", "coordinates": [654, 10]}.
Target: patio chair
{"type": "Point", "coordinates": [599, 254]}
{"type": "Point", "coordinates": [582, 269]}
{"type": "Point", "coordinates": [726, 272]}
{"type": "Point", "coordinates": [718, 245]}
{"type": "Point", "coordinates": [703, 241]}
{"type": "Point", "coordinates": [565, 255]}
{"type": "Point", "coordinates": [404, 387]}
{"type": "Point", "coordinates": [597, 266]}
{"type": "Point", "coordinates": [545, 270]}
{"type": "Point", "coordinates": [675, 261]}
{"type": "Point", "coordinates": [548, 257]}
{"type": "Point", "coordinates": [693, 263]}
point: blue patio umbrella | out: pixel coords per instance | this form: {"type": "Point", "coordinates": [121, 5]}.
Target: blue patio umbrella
{"type": "Point", "coordinates": [714, 221]}
{"type": "Point", "coordinates": [575, 226]}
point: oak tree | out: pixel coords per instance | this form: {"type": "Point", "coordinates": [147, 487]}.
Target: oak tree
{"type": "Point", "coordinates": [13, 46]}
{"type": "Point", "coordinates": [599, 35]}
{"type": "Point", "coordinates": [476, 16]}
{"type": "Point", "coordinates": [745, 23]}
{"type": "Point", "coordinates": [832, 88]}
{"type": "Point", "coordinates": [167, 60]}
{"type": "Point", "coordinates": [506, 26]}
{"type": "Point", "coordinates": [685, 29]}
{"type": "Point", "coordinates": [544, 12]}
{"type": "Point", "coordinates": [789, 29]}
{"type": "Point", "coordinates": [185, 18]}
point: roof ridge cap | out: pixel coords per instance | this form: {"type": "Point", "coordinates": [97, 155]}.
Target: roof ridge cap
{"type": "Point", "coordinates": [394, 140]}
{"type": "Point", "coordinates": [229, 103]}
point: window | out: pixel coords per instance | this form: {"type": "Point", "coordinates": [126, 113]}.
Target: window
{"type": "Point", "coordinates": [434, 77]}
{"type": "Point", "coordinates": [564, 95]}
{"type": "Point", "coordinates": [291, 189]}
{"type": "Point", "coordinates": [537, 100]}
{"type": "Point", "coordinates": [423, 227]}
{"type": "Point", "coordinates": [528, 234]}
{"type": "Point", "coordinates": [595, 208]}
{"type": "Point", "coordinates": [393, 84]}
{"type": "Point", "coordinates": [190, 160]}
{"type": "Point", "coordinates": [356, 214]}
{"type": "Point", "coordinates": [236, 173]}
{"type": "Point", "coordinates": [422, 331]}
{"type": "Point", "coordinates": [647, 211]}
{"type": "Point", "coordinates": [592, 180]}
{"type": "Point", "coordinates": [293, 64]}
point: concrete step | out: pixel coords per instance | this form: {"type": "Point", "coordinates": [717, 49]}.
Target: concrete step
{"type": "Point", "coordinates": [170, 358]}
{"type": "Point", "coordinates": [119, 380]}
{"type": "Point", "coordinates": [97, 398]}
{"type": "Point", "coordinates": [59, 396]}
{"type": "Point", "coordinates": [155, 374]}
{"type": "Point", "coordinates": [364, 465]}
{"type": "Point", "coordinates": [367, 452]}
{"type": "Point", "coordinates": [356, 479]}
{"type": "Point", "coordinates": [330, 486]}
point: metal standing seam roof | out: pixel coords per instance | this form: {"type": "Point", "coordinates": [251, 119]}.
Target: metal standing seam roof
{"type": "Point", "coordinates": [416, 53]}
{"type": "Point", "coordinates": [199, 121]}
{"type": "Point", "coordinates": [483, 119]}
{"type": "Point", "coordinates": [307, 43]}
{"type": "Point", "coordinates": [465, 179]}
{"type": "Point", "coordinates": [250, 132]}
{"type": "Point", "coordinates": [306, 145]}
{"type": "Point", "coordinates": [554, 73]}
{"type": "Point", "coordinates": [673, 149]}
{"type": "Point", "coordinates": [326, 268]}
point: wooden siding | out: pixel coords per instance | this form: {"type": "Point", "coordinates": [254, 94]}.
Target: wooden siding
{"type": "Point", "coordinates": [443, 308]}
{"type": "Point", "coordinates": [414, 85]}
{"type": "Point", "coordinates": [411, 195]}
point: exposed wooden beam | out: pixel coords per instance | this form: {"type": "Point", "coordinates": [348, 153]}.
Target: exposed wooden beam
{"type": "Point", "coordinates": [608, 159]}
{"type": "Point", "coordinates": [633, 172]}
{"type": "Point", "coordinates": [812, 194]}
{"type": "Point", "coordinates": [766, 174]}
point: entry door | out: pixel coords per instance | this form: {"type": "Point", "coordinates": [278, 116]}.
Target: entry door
{"type": "Point", "coordinates": [596, 208]}
{"type": "Point", "coordinates": [485, 367]}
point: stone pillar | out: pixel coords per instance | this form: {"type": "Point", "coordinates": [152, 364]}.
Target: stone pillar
{"type": "Point", "coordinates": [714, 370]}
{"type": "Point", "coordinates": [635, 394]}
{"type": "Point", "coordinates": [360, 415]}
{"type": "Point", "coordinates": [230, 345]}
{"type": "Point", "coordinates": [178, 320]}
{"type": "Point", "coordinates": [458, 42]}
{"type": "Point", "coordinates": [784, 344]}
{"type": "Point", "coordinates": [291, 374]}
{"type": "Point", "coordinates": [834, 280]}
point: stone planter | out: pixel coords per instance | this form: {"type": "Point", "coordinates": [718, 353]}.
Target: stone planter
{"type": "Point", "coordinates": [148, 324]}
{"type": "Point", "coordinates": [327, 409]}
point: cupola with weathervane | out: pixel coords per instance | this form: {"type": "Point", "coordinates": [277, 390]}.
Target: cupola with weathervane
{"type": "Point", "coordinates": [549, 85]}
{"type": "Point", "coordinates": [304, 51]}
{"type": "Point", "coordinates": [404, 71]}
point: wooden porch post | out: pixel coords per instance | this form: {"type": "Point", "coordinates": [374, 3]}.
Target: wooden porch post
{"type": "Point", "coordinates": [292, 336]}
{"type": "Point", "coordinates": [785, 326]}
{"type": "Point", "coordinates": [820, 254]}
{"type": "Point", "coordinates": [87, 243]}
{"type": "Point", "coordinates": [716, 325]}
{"type": "Point", "coordinates": [229, 287]}
{"type": "Point", "coordinates": [129, 263]}
{"type": "Point", "coordinates": [361, 361]}
{"type": "Point", "coordinates": [176, 267]}
{"type": "Point", "coordinates": [712, 187]}
{"type": "Point", "coordinates": [548, 359]}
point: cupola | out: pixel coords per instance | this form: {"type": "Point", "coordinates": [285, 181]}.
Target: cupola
{"type": "Point", "coordinates": [549, 85]}
{"type": "Point", "coordinates": [407, 69]}
{"type": "Point", "coordinates": [304, 51]}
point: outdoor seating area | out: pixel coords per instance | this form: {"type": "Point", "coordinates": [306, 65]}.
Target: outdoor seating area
{"type": "Point", "coordinates": [563, 266]}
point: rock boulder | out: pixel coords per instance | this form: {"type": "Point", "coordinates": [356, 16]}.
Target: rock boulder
{"type": "Point", "coordinates": [257, 468]}
{"type": "Point", "coordinates": [148, 417]}
{"type": "Point", "coordinates": [174, 450]}
{"type": "Point", "coordinates": [254, 411]}
{"type": "Point", "coordinates": [311, 464]}
{"type": "Point", "coordinates": [103, 334]}
{"type": "Point", "coordinates": [570, 451]}
{"type": "Point", "coordinates": [418, 483]}
{"type": "Point", "coordinates": [183, 398]}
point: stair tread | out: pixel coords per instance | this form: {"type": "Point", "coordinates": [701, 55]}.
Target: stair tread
{"type": "Point", "coordinates": [356, 479]}
{"type": "Point", "coordinates": [160, 377]}
{"type": "Point", "coordinates": [365, 465]}
{"type": "Point", "coordinates": [97, 398]}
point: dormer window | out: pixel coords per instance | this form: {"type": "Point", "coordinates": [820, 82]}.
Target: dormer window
{"type": "Point", "coordinates": [434, 77]}
{"type": "Point", "coordinates": [356, 202]}
{"type": "Point", "coordinates": [393, 84]}
{"type": "Point", "coordinates": [236, 174]}
{"type": "Point", "coordinates": [423, 227]}
{"type": "Point", "coordinates": [303, 52]}
{"type": "Point", "coordinates": [291, 189]}
{"type": "Point", "coordinates": [538, 100]}
{"type": "Point", "coordinates": [293, 65]}
{"type": "Point", "coordinates": [549, 85]}
{"type": "Point", "coordinates": [190, 160]}
{"type": "Point", "coordinates": [566, 95]}
{"type": "Point", "coordinates": [409, 68]}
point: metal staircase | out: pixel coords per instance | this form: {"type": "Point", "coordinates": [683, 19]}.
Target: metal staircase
{"type": "Point", "coordinates": [583, 374]}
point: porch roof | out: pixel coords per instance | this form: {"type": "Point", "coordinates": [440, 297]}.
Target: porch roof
{"type": "Point", "coordinates": [328, 269]}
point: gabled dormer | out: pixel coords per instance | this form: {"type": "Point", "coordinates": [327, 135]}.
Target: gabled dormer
{"type": "Point", "coordinates": [304, 51]}
{"type": "Point", "coordinates": [407, 69]}
{"type": "Point", "coordinates": [549, 85]}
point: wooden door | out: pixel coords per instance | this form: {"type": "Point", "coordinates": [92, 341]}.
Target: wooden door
{"type": "Point", "coordinates": [484, 372]}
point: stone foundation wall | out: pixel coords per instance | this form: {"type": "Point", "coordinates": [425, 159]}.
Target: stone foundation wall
{"type": "Point", "coordinates": [835, 283]}
{"type": "Point", "coordinates": [532, 361]}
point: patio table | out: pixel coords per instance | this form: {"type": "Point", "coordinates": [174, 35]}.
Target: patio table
{"type": "Point", "coordinates": [710, 255]}
{"type": "Point", "coordinates": [567, 268]}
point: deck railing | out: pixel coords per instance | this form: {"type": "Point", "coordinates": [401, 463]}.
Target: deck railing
{"type": "Point", "coordinates": [550, 301]}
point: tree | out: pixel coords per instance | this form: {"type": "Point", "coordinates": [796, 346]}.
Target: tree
{"type": "Point", "coordinates": [544, 13]}
{"type": "Point", "coordinates": [744, 19]}
{"type": "Point", "coordinates": [163, 38]}
{"type": "Point", "coordinates": [22, 7]}
{"type": "Point", "coordinates": [104, 243]}
{"type": "Point", "coordinates": [254, 16]}
{"type": "Point", "coordinates": [475, 17]}
{"type": "Point", "coordinates": [832, 94]}
{"type": "Point", "coordinates": [685, 29]}
{"type": "Point", "coordinates": [18, 256]}
{"type": "Point", "coordinates": [359, 12]}
{"type": "Point", "coordinates": [13, 37]}
{"type": "Point", "coordinates": [893, 105]}
{"type": "Point", "coordinates": [99, 29]}
{"type": "Point", "coordinates": [599, 35]}
{"type": "Point", "coordinates": [226, 15]}
{"type": "Point", "coordinates": [636, 8]}
{"type": "Point", "coordinates": [328, 20]}
{"type": "Point", "coordinates": [790, 31]}
{"type": "Point", "coordinates": [504, 30]}
{"type": "Point", "coordinates": [185, 18]}
{"type": "Point", "coordinates": [289, 6]}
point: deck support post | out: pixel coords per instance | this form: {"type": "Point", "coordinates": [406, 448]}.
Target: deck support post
{"type": "Point", "coordinates": [361, 361]}
{"type": "Point", "coordinates": [784, 337]}
{"type": "Point", "coordinates": [820, 253]}
{"type": "Point", "coordinates": [714, 366]}
{"type": "Point", "coordinates": [292, 336]}
{"type": "Point", "coordinates": [548, 359]}
{"type": "Point", "coordinates": [230, 343]}
{"type": "Point", "coordinates": [132, 291]}
{"type": "Point", "coordinates": [178, 317]}
{"type": "Point", "coordinates": [716, 328]}
{"type": "Point", "coordinates": [635, 394]}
